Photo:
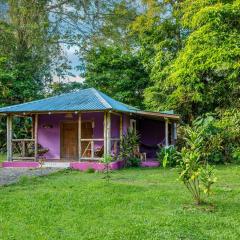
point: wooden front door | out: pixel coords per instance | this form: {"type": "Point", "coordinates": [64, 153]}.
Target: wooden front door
{"type": "Point", "coordinates": [69, 140]}
{"type": "Point", "coordinates": [86, 133]}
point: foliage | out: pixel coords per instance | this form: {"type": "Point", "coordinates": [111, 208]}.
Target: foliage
{"type": "Point", "coordinates": [208, 178]}
{"type": "Point", "coordinates": [159, 34]}
{"type": "Point", "coordinates": [117, 73]}
{"type": "Point", "coordinates": [107, 159]}
{"type": "Point", "coordinates": [113, 64]}
{"type": "Point", "coordinates": [220, 136]}
{"type": "Point", "coordinates": [195, 172]}
{"type": "Point", "coordinates": [134, 161]}
{"type": "Point", "coordinates": [167, 156]}
{"type": "Point", "coordinates": [57, 88]}
{"type": "Point", "coordinates": [229, 125]}
{"type": "Point", "coordinates": [128, 147]}
{"type": "Point", "coordinates": [22, 129]}
{"type": "Point", "coordinates": [205, 71]}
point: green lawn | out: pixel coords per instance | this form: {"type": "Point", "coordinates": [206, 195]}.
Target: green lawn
{"type": "Point", "coordinates": [136, 204]}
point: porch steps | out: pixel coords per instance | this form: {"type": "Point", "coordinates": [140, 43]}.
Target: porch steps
{"type": "Point", "coordinates": [57, 164]}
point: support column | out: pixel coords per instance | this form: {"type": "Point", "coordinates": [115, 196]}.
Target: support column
{"type": "Point", "coordinates": [166, 133]}
{"type": "Point", "coordinates": [36, 137]}
{"type": "Point", "coordinates": [108, 133]}
{"type": "Point", "coordinates": [105, 133]}
{"type": "Point", "coordinates": [79, 136]}
{"type": "Point", "coordinates": [121, 126]}
{"type": "Point", "coordinates": [9, 138]}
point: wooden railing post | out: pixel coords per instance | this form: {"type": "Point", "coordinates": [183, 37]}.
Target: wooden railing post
{"type": "Point", "coordinates": [23, 149]}
{"type": "Point", "coordinates": [105, 133]}
{"type": "Point", "coordinates": [92, 149]}
{"type": "Point", "coordinates": [9, 138]}
{"type": "Point", "coordinates": [108, 133]}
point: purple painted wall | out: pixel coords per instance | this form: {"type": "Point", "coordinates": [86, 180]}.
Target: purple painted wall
{"type": "Point", "coordinates": [115, 126]}
{"type": "Point", "coordinates": [126, 123]}
{"type": "Point", "coordinates": [152, 132]}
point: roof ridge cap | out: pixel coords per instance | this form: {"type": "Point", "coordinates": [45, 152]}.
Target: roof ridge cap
{"type": "Point", "coordinates": [101, 99]}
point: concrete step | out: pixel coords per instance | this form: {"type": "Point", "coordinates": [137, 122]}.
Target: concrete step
{"type": "Point", "coordinates": [57, 164]}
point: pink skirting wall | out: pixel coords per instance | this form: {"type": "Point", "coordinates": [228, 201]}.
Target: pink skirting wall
{"type": "Point", "coordinates": [98, 166]}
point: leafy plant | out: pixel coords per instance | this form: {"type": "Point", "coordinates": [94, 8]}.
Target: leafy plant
{"type": "Point", "coordinates": [196, 174]}
{"type": "Point", "coordinates": [107, 160]}
{"type": "Point", "coordinates": [189, 172]}
{"type": "Point", "coordinates": [207, 178]}
{"type": "Point", "coordinates": [168, 156]}
{"type": "Point", "coordinates": [134, 161]}
{"type": "Point", "coordinates": [129, 147]}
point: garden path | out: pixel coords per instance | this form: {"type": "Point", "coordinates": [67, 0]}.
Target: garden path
{"type": "Point", "coordinates": [12, 175]}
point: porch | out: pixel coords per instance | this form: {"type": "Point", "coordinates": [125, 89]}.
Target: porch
{"type": "Point", "coordinates": [86, 136]}
{"type": "Point", "coordinates": [67, 137]}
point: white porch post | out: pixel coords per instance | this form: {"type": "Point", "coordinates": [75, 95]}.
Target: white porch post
{"type": "Point", "coordinates": [166, 133]}
{"type": "Point", "coordinates": [109, 133]}
{"type": "Point", "coordinates": [9, 138]}
{"type": "Point", "coordinates": [79, 136]}
{"type": "Point", "coordinates": [36, 137]}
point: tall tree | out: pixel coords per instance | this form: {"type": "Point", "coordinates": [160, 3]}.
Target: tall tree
{"type": "Point", "coordinates": [113, 63]}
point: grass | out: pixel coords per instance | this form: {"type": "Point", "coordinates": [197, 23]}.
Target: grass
{"type": "Point", "coordinates": [136, 204]}
{"type": "Point", "coordinates": [3, 157]}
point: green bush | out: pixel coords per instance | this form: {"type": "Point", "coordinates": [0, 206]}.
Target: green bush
{"type": "Point", "coordinates": [167, 156]}
{"type": "Point", "coordinates": [221, 136]}
{"type": "Point", "coordinates": [128, 148]}
{"type": "Point", "coordinates": [134, 162]}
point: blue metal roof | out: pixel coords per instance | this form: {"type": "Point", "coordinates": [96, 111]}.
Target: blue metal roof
{"type": "Point", "coordinates": [83, 100]}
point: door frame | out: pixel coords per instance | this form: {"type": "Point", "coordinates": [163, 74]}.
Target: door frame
{"type": "Point", "coordinates": [61, 138]}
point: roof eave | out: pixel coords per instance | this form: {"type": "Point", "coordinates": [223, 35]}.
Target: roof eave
{"type": "Point", "coordinates": [158, 115]}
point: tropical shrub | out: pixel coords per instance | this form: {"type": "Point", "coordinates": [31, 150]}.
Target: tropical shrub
{"type": "Point", "coordinates": [196, 174]}
{"type": "Point", "coordinates": [167, 156]}
{"type": "Point", "coordinates": [129, 148]}
{"type": "Point", "coordinates": [107, 160]}
{"type": "Point", "coordinates": [207, 177]}
{"type": "Point", "coordinates": [221, 136]}
{"type": "Point", "coordinates": [134, 162]}
{"type": "Point", "coordinates": [229, 125]}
